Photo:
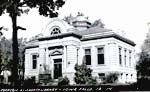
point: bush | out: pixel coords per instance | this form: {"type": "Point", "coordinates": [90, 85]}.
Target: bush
{"type": "Point", "coordinates": [92, 81]}
{"type": "Point", "coordinates": [63, 81]}
{"type": "Point", "coordinates": [83, 75]}
{"type": "Point", "coordinates": [143, 83]}
{"type": "Point", "coordinates": [1, 78]}
{"type": "Point", "coordinates": [111, 78]}
{"type": "Point", "coordinates": [29, 82]}
{"type": "Point", "coordinates": [143, 67]}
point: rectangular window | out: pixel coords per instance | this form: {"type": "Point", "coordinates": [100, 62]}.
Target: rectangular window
{"type": "Point", "coordinates": [120, 57]}
{"type": "Point", "coordinates": [121, 75]}
{"type": "Point", "coordinates": [100, 55]}
{"type": "Point", "coordinates": [88, 56]}
{"type": "Point", "coordinates": [131, 76]}
{"type": "Point", "coordinates": [125, 57]}
{"type": "Point", "coordinates": [34, 61]}
{"type": "Point", "coordinates": [130, 58]}
{"type": "Point", "coordinates": [101, 75]}
{"type": "Point", "coordinates": [126, 76]}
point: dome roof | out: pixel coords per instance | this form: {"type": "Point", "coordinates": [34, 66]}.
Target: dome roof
{"type": "Point", "coordinates": [81, 18]}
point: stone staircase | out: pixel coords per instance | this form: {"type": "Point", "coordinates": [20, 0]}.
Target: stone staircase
{"type": "Point", "coordinates": [54, 82]}
{"type": "Point", "coordinates": [50, 83]}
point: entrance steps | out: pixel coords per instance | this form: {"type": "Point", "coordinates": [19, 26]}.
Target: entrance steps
{"type": "Point", "coordinates": [50, 83]}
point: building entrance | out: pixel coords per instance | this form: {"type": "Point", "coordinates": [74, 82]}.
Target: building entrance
{"type": "Point", "coordinates": [57, 68]}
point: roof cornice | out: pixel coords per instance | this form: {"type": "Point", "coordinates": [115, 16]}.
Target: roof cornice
{"type": "Point", "coordinates": [60, 36]}
{"type": "Point", "coordinates": [29, 47]}
{"type": "Point", "coordinates": [88, 37]}
{"type": "Point", "coordinates": [114, 35]}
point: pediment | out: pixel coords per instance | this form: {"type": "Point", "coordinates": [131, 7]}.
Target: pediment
{"type": "Point", "coordinates": [56, 52]}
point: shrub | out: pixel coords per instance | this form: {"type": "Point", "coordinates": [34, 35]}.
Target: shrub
{"type": "Point", "coordinates": [92, 81]}
{"type": "Point", "coordinates": [1, 78]}
{"type": "Point", "coordinates": [63, 81]}
{"type": "Point", "coordinates": [83, 75]}
{"type": "Point", "coordinates": [29, 82]}
{"type": "Point", "coordinates": [111, 78]}
{"type": "Point", "coordinates": [143, 83]}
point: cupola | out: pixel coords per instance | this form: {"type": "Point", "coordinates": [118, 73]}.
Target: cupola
{"type": "Point", "coordinates": [81, 22]}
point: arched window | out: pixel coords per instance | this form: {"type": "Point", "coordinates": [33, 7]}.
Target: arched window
{"type": "Point", "coordinates": [55, 31]}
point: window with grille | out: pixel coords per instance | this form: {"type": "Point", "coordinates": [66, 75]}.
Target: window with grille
{"type": "Point", "coordinates": [55, 31]}
{"type": "Point", "coordinates": [100, 55]}
{"type": "Point", "coordinates": [88, 56]}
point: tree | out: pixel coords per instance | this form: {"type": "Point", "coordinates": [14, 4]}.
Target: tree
{"type": "Point", "coordinates": [143, 65]}
{"type": "Point", "coordinates": [6, 55]}
{"type": "Point", "coordinates": [15, 8]}
{"type": "Point", "coordinates": [2, 28]}
{"type": "Point", "coordinates": [143, 68]}
{"type": "Point", "coordinates": [98, 23]}
{"type": "Point", "coordinates": [143, 71]}
{"type": "Point", "coordinates": [21, 45]}
{"type": "Point", "coordinates": [69, 19]}
{"type": "Point", "coordinates": [6, 50]}
{"type": "Point", "coordinates": [145, 50]}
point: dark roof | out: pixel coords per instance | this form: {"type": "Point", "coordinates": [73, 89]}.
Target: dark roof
{"type": "Point", "coordinates": [59, 36]}
{"type": "Point", "coordinates": [93, 30]}
{"type": "Point", "coordinates": [101, 33]}
{"type": "Point", "coordinates": [85, 35]}
{"type": "Point", "coordinates": [114, 35]}
{"type": "Point", "coordinates": [29, 47]}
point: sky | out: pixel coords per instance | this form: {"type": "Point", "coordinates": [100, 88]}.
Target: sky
{"type": "Point", "coordinates": [130, 16]}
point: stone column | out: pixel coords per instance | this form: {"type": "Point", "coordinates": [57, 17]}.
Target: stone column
{"type": "Point", "coordinates": [78, 55]}
{"type": "Point", "coordinates": [72, 60]}
{"type": "Point", "coordinates": [47, 59]}
{"type": "Point", "coordinates": [71, 55]}
{"type": "Point", "coordinates": [113, 56]}
{"type": "Point", "coordinates": [41, 59]}
{"type": "Point", "coordinates": [64, 58]}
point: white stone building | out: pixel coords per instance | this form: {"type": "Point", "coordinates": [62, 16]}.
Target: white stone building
{"type": "Point", "coordinates": [64, 44]}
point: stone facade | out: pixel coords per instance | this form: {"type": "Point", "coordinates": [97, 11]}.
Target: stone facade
{"type": "Point", "coordinates": [63, 45]}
